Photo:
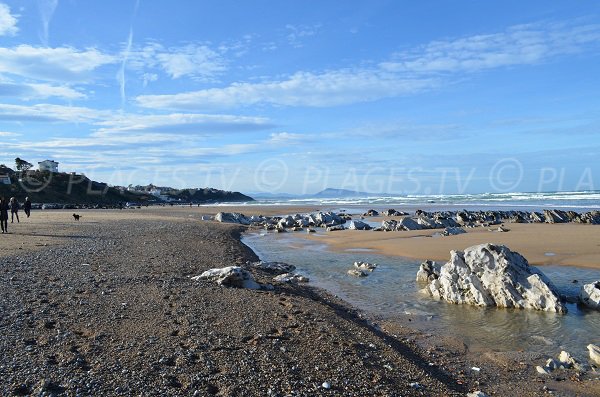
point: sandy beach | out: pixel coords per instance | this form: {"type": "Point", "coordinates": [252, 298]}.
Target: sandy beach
{"type": "Point", "coordinates": [105, 306]}
{"type": "Point", "coordinates": [542, 244]}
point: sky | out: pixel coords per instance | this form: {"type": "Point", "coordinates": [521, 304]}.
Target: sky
{"type": "Point", "coordinates": [386, 97]}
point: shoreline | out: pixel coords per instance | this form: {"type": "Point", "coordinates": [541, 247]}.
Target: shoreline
{"type": "Point", "coordinates": [128, 273]}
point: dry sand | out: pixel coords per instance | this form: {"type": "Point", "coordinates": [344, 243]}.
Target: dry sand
{"type": "Point", "coordinates": [542, 244]}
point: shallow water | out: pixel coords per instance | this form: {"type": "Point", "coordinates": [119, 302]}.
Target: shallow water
{"type": "Point", "coordinates": [392, 292]}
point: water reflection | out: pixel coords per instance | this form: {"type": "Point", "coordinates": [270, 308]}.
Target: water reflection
{"type": "Point", "coordinates": [391, 292]}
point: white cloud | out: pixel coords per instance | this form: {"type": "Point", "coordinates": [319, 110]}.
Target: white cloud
{"type": "Point", "coordinates": [51, 113]}
{"type": "Point", "coordinates": [55, 64]}
{"type": "Point", "coordinates": [8, 21]}
{"type": "Point", "coordinates": [286, 138]}
{"type": "Point", "coordinates": [518, 45]}
{"type": "Point", "coordinates": [7, 134]}
{"type": "Point", "coordinates": [191, 60]}
{"type": "Point", "coordinates": [197, 61]}
{"type": "Point", "coordinates": [46, 91]}
{"type": "Point", "coordinates": [47, 8]}
{"type": "Point", "coordinates": [183, 123]}
{"type": "Point", "coordinates": [301, 89]}
{"type": "Point", "coordinates": [299, 32]}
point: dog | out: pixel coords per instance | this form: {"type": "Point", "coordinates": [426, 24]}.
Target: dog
{"type": "Point", "coordinates": [76, 217]}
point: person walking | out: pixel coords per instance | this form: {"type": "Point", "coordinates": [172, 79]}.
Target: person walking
{"type": "Point", "coordinates": [4, 214]}
{"type": "Point", "coordinates": [27, 207]}
{"type": "Point", "coordinates": [14, 210]}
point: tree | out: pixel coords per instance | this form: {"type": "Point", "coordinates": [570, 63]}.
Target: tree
{"type": "Point", "coordinates": [22, 165]}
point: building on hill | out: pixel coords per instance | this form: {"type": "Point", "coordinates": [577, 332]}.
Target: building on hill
{"type": "Point", "coordinates": [48, 165]}
{"type": "Point", "coordinates": [5, 179]}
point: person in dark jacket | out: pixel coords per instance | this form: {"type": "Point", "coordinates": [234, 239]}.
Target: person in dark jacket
{"type": "Point", "coordinates": [4, 214]}
{"type": "Point", "coordinates": [27, 207]}
{"type": "Point", "coordinates": [14, 210]}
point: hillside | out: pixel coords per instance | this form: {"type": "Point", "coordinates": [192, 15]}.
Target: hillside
{"type": "Point", "coordinates": [64, 188]}
{"type": "Point", "coordinates": [208, 195]}
{"type": "Point", "coordinates": [46, 187]}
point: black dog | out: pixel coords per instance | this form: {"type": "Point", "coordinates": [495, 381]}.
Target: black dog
{"type": "Point", "coordinates": [76, 217]}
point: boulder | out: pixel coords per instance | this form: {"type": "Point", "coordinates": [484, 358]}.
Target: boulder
{"type": "Point", "coordinates": [594, 353]}
{"type": "Point", "coordinates": [358, 273]}
{"type": "Point", "coordinates": [292, 278]}
{"type": "Point", "coordinates": [453, 231]}
{"type": "Point", "coordinates": [232, 217]}
{"type": "Point", "coordinates": [589, 295]}
{"type": "Point", "coordinates": [230, 276]}
{"type": "Point", "coordinates": [427, 272]}
{"type": "Point", "coordinates": [365, 266]}
{"type": "Point", "coordinates": [493, 275]}
{"type": "Point", "coordinates": [389, 226]}
{"type": "Point", "coordinates": [284, 222]}
{"type": "Point", "coordinates": [371, 213]}
{"type": "Point", "coordinates": [556, 216]}
{"type": "Point", "coordinates": [358, 225]}
{"type": "Point", "coordinates": [408, 224]}
{"type": "Point", "coordinates": [335, 228]}
{"type": "Point", "coordinates": [274, 267]}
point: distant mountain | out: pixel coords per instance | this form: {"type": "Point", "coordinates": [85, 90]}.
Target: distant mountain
{"type": "Point", "coordinates": [335, 193]}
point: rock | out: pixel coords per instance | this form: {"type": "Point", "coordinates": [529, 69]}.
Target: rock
{"type": "Point", "coordinates": [566, 360]}
{"type": "Point", "coordinates": [365, 266]}
{"type": "Point", "coordinates": [326, 385]}
{"type": "Point", "coordinates": [371, 213]}
{"type": "Point", "coordinates": [335, 228]}
{"type": "Point", "coordinates": [230, 276]}
{"type": "Point", "coordinates": [493, 275]}
{"type": "Point", "coordinates": [427, 272]}
{"type": "Point", "coordinates": [358, 273]}
{"type": "Point", "coordinates": [291, 278]}
{"type": "Point", "coordinates": [555, 216]}
{"type": "Point", "coordinates": [537, 217]}
{"type": "Point", "coordinates": [502, 229]}
{"type": "Point", "coordinates": [541, 370]}
{"type": "Point", "coordinates": [427, 223]}
{"type": "Point", "coordinates": [594, 353]}
{"type": "Point", "coordinates": [551, 364]}
{"type": "Point", "coordinates": [287, 221]}
{"type": "Point", "coordinates": [388, 226]}
{"type": "Point", "coordinates": [358, 225]}
{"type": "Point", "coordinates": [453, 231]}
{"type": "Point", "coordinates": [408, 224]}
{"type": "Point", "coordinates": [589, 295]}
{"type": "Point", "coordinates": [232, 217]}
{"type": "Point", "coordinates": [274, 267]}
{"type": "Point", "coordinates": [477, 393]}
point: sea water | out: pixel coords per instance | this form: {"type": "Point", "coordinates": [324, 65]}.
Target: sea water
{"type": "Point", "coordinates": [391, 292]}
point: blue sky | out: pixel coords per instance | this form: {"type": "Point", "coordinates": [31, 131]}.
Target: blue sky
{"type": "Point", "coordinates": [380, 96]}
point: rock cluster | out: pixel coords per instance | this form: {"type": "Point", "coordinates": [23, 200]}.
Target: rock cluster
{"type": "Point", "coordinates": [564, 361]}
{"type": "Point", "coordinates": [362, 269]}
{"type": "Point", "coordinates": [491, 275]}
{"type": "Point", "coordinates": [297, 221]}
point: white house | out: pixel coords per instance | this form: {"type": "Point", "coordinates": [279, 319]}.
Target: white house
{"type": "Point", "coordinates": [48, 165]}
{"type": "Point", "coordinates": [4, 179]}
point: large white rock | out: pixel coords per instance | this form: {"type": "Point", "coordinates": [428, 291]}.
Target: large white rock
{"type": "Point", "coordinates": [358, 225]}
{"type": "Point", "coordinates": [408, 224]}
{"type": "Point", "coordinates": [493, 275]}
{"type": "Point", "coordinates": [230, 276]}
{"type": "Point", "coordinates": [589, 295]}
{"type": "Point", "coordinates": [232, 217]}
{"type": "Point", "coordinates": [594, 353]}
